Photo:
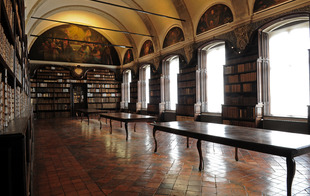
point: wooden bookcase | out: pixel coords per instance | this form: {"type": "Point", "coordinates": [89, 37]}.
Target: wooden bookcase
{"type": "Point", "coordinates": [16, 132]}
{"type": "Point", "coordinates": [51, 91]}
{"type": "Point", "coordinates": [240, 94]}
{"type": "Point", "coordinates": [103, 91]}
{"type": "Point", "coordinates": [132, 105]}
{"type": "Point", "coordinates": [186, 92]}
{"type": "Point", "coordinates": [154, 85]}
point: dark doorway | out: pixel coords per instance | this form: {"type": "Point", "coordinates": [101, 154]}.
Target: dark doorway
{"type": "Point", "coordinates": [78, 96]}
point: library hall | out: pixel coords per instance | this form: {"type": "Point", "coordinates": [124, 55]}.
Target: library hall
{"type": "Point", "coordinates": [154, 98]}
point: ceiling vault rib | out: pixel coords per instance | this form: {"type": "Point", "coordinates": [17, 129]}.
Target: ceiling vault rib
{"type": "Point", "coordinates": [102, 28]}
{"type": "Point", "coordinates": [137, 10]}
{"type": "Point", "coordinates": [98, 43]}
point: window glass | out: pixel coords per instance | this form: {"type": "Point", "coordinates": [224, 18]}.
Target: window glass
{"type": "Point", "coordinates": [289, 70]}
{"type": "Point", "coordinates": [215, 62]}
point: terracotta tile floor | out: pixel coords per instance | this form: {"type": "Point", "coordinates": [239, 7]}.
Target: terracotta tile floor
{"type": "Point", "coordinates": [72, 158]}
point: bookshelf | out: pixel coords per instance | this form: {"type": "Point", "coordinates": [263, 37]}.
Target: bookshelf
{"type": "Point", "coordinates": [52, 93]}
{"type": "Point", "coordinates": [132, 105]}
{"type": "Point", "coordinates": [154, 86]}
{"type": "Point", "coordinates": [16, 132]}
{"type": "Point", "coordinates": [186, 92]}
{"type": "Point", "coordinates": [103, 91]}
{"type": "Point", "coordinates": [240, 94]}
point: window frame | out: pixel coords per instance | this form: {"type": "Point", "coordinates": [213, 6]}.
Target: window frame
{"type": "Point", "coordinates": [201, 105]}
{"type": "Point", "coordinates": [263, 68]}
{"type": "Point", "coordinates": [165, 104]}
{"type": "Point", "coordinates": [142, 87]}
{"type": "Point", "coordinates": [127, 77]}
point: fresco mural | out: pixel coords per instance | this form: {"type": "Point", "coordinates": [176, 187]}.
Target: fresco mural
{"type": "Point", "coordinates": [215, 16]}
{"type": "Point", "coordinates": [128, 57]}
{"type": "Point", "coordinates": [263, 4]}
{"type": "Point", "coordinates": [48, 49]}
{"type": "Point", "coordinates": [174, 35]}
{"type": "Point", "coordinates": [147, 48]}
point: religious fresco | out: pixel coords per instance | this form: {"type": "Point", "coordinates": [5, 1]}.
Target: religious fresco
{"type": "Point", "coordinates": [174, 35]}
{"type": "Point", "coordinates": [128, 57]}
{"type": "Point", "coordinates": [48, 48]}
{"type": "Point", "coordinates": [147, 48]}
{"type": "Point", "coordinates": [215, 16]}
{"type": "Point", "coordinates": [263, 4]}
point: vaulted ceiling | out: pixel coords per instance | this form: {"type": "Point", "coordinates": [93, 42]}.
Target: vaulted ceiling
{"type": "Point", "coordinates": [93, 13]}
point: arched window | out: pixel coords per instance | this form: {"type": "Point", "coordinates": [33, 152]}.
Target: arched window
{"type": "Point", "coordinates": [169, 83]}
{"type": "Point", "coordinates": [284, 61]}
{"type": "Point", "coordinates": [143, 86]}
{"type": "Point", "coordinates": [210, 93]}
{"type": "Point", "coordinates": [126, 88]}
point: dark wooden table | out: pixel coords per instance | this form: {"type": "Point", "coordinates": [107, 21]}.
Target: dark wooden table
{"type": "Point", "coordinates": [279, 143]}
{"type": "Point", "coordinates": [126, 117]}
{"type": "Point", "coordinates": [87, 112]}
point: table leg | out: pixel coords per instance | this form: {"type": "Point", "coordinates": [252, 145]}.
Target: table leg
{"type": "Point", "coordinates": [291, 168]}
{"type": "Point", "coordinates": [134, 127]}
{"type": "Point", "coordinates": [154, 131]}
{"type": "Point", "coordinates": [82, 117]}
{"type": "Point", "coordinates": [201, 163]}
{"type": "Point", "coordinates": [187, 142]}
{"type": "Point", "coordinates": [121, 124]}
{"type": "Point", "coordinates": [100, 122]}
{"type": "Point", "coordinates": [126, 128]}
{"type": "Point", "coordinates": [236, 154]}
{"type": "Point", "coordinates": [110, 126]}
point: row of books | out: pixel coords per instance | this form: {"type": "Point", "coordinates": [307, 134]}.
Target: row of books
{"type": "Point", "coordinates": [240, 100]}
{"type": "Point", "coordinates": [104, 85]}
{"type": "Point", "coordinates": [6, 49]}
{"type": "Point", "coordinates": [103, 105]}
{"type": "Point", "coordinates": [103, 90]}
{"type": "Point", "coordinates": [240, 68]}
{"type": "Point", "coordinates": [48, 107]}
{"type": "Point", "coordinates": [187, 100]}
{"type": "Point", "coordinates": [238, 88]}
{"type": "Point", "coordinates": [154, 93]}
{"type": "Point", "coordinates": [104, 100]}
{"type": "Point", "coordinates": [18, 70]}
{"type": "Point", "coordinates": [238, 113]}
{"type": "Point", "coordinates": [187, 84]}
{"type": "Point", "coordinates": [246, 77]}
{"type": "Point", "coordinates": [187, 91]}
{"type": "Point", "coordinates": [104, 95]}
{"type": "Point", "coordinates": [188, 76]}
{"type": "Point", "coordinates": [155, 81]}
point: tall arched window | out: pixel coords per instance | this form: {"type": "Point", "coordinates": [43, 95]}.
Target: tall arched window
{"type": "Point", "coordinates": [126, 88]}
{"type": "Point", "coordinates": [210, 93]}
{"type": "Point", "coordinates": [169, 83]}
{"type": "Point", "coordinates": [285, 68]}
{"type": "Point", "coordinates": [143, 86]}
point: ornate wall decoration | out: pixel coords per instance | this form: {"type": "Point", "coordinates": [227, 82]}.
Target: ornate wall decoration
{"type": "Point", "coordinates": [48, 48]}
{"type": "Point", "coordinates": [174, 36]}
{"type": "Point", "coordinates": [242, 36]}
{"type": "Point", "coordinates": [215, 16]}
{"type": "Point", "coordinates": [147, 48]}
{"type": "Point", "coordinates": [263, 4]}
{"type": "Point", "coordinates": [128, 57]}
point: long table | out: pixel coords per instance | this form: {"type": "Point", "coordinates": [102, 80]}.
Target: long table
{"type": "Point", "coordinates": [279, 143]}
{"type": "Point", "coordinates": [126, 117]}
{"type": "Point", "coordinates": [87, 112]}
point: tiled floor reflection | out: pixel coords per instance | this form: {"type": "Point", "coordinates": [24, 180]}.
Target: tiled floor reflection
{"type": "Point", "coordinates": [72, 158]}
